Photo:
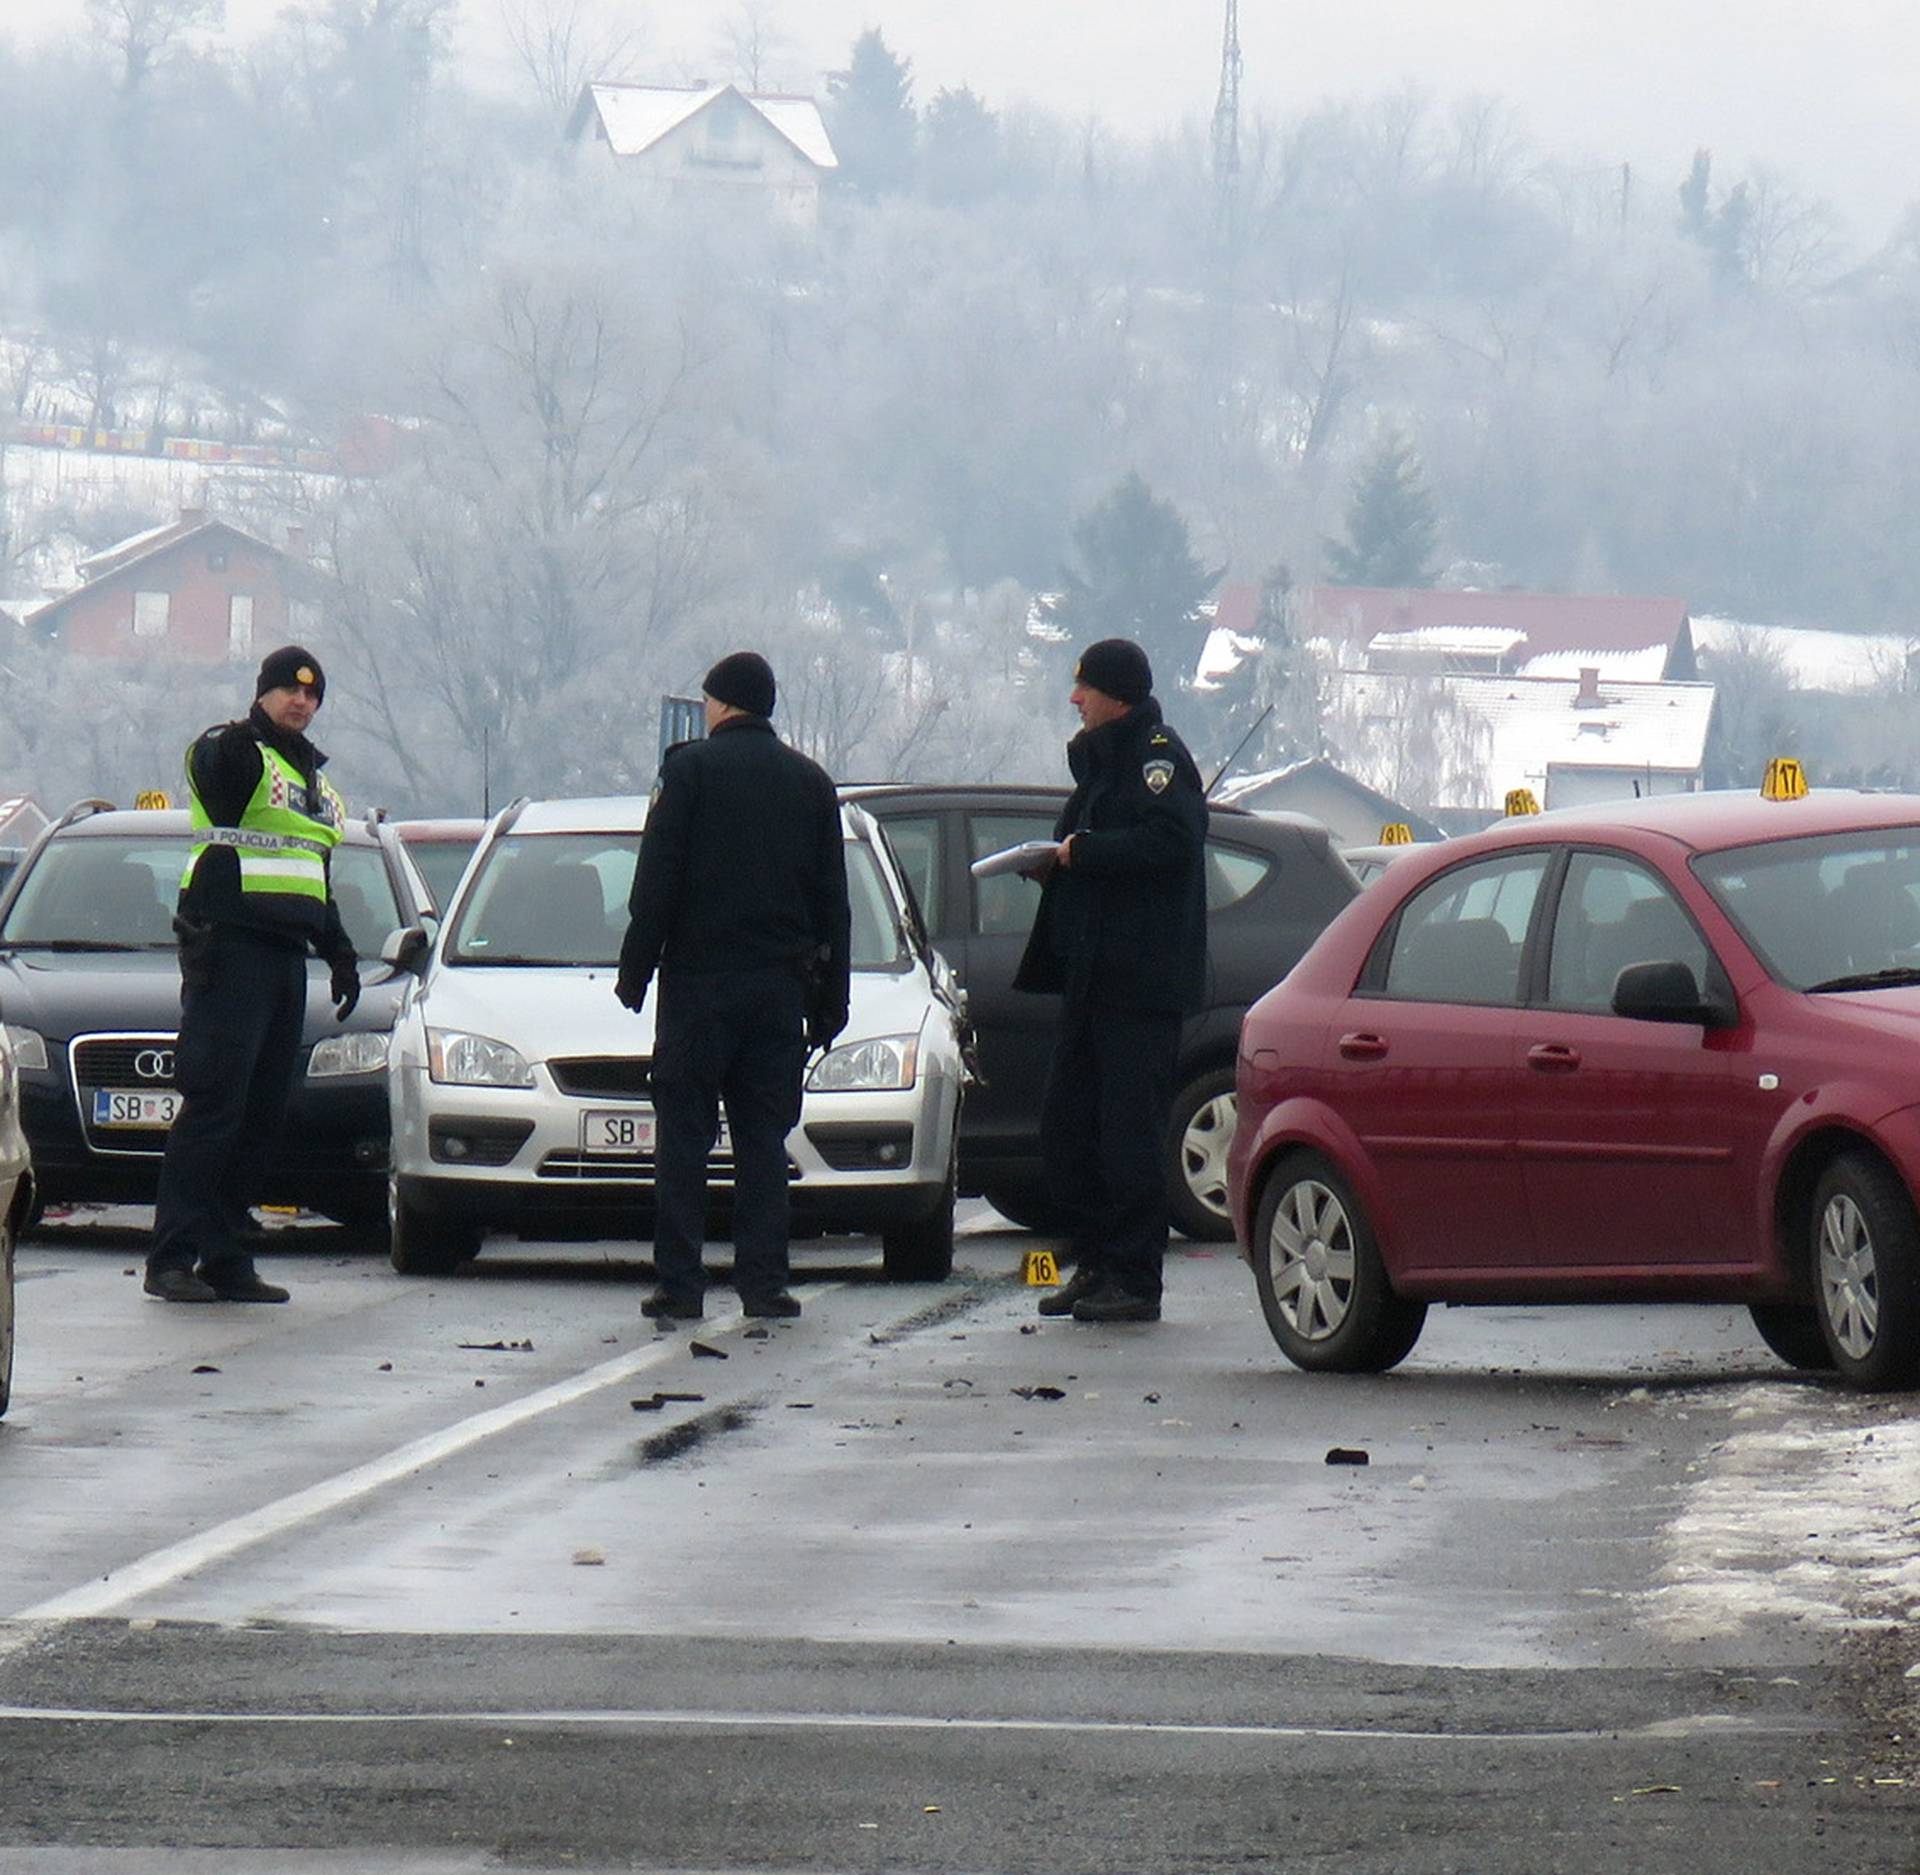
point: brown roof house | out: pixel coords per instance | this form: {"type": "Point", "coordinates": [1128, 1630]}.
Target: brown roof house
{"type": "Point", "coordinates": [199, 590]}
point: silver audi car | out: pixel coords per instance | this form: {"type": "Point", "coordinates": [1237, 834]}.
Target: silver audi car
{"type": "Point", "coordinates": [520, 1090]}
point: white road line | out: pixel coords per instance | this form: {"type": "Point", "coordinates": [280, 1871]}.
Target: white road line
{"type": "Point", "coordinates": [161, 1567]}
{"type": "Point", "coordinates": [603, 1719]}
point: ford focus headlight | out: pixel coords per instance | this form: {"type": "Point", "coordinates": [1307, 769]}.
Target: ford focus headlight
{"type": "Point", "coordinates": [349, 1054]}
{"type": "Point", "coordinates": [29, 1047]}
{"type": "Point", "coordinates": [887, 1062]}
{"type": "Point", "coordinates": [461, 1060]}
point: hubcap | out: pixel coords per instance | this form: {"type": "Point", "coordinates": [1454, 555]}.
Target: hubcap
{"type": "Point", "coordinates": [1203, 1152]}
{"type": "Point", "coordinates": [1311, 1258]}
{"type": "Point", "coordinates": [1849, 1278]}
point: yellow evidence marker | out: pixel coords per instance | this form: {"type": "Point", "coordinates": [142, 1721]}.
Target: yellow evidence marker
{"type": "Point", "coordinates": [1038, 1269]}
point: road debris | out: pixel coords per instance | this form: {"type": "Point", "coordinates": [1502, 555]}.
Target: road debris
{"type": "Point", "coordinates": [706, 1351]}
{"type": "Point", "coordinates": [589, 1558]}
{"type": "Point", "coordinates": [496, 1347]}
{"type": "Point", "coordinates": [206, 1368]}
{"type": "Point", "coordinates": [1347, 1455]}
{"type": "Point", "coordinates": [1041, 1393]}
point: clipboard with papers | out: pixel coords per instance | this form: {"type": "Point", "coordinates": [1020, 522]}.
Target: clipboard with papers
{"type": "Point", "coordinates": [1029, 859]}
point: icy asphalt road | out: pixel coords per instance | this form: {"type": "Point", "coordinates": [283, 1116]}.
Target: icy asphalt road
{"type": "Point", "coordinates": [1613, 1590]}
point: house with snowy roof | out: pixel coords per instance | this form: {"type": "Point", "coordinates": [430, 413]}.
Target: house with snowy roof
{"type": "Point", "coordinates": [199, 588]}
{"type": "Point", "coordinates": [1490, 633]}
{"type": "Point", "coordinates": [714, 147]}
{"type": "Point", "coordinates": [1457, 743]}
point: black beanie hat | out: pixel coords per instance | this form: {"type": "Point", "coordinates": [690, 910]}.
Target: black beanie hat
{"type": "Point", "coordinates": [743, 679]}
{"type": "Point", "coordinates": [290, 665]}
{"type": "Point", "coordinates": [1117, 668]}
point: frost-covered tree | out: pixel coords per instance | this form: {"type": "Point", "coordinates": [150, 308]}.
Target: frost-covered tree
{"type": "Point", "coordinates": [1137, 577]}
{"type": "Point", "coordinates": [871, 117]}
{"type": "Point", "coordinates": [1392, 529]}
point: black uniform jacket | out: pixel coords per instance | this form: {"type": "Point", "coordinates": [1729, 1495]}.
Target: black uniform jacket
{"type": "Point", "coordinates": [741, 865]}
{"type": "Point", "coordinates": [1125, 923]}
{"type": "Point", "coordinates": [226, 764]}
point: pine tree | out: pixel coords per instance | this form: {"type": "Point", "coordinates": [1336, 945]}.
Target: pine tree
{"type": "Point", "coordinates": [871, 119]}
{"type": "Point", "coordinates": [1137, 578]}
{"type": "Point", "coordinates": [1392, 530]}
{"type": "Point", "coordinates": [960, 149]}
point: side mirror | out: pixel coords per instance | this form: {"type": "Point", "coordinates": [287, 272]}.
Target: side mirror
{"type": "Point", "coordinates": [406, 949]}
{"type": "Point", "coordinates": [1667, 992]}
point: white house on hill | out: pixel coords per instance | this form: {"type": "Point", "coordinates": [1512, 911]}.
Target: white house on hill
{"type": "Point", "coordinates": [715, 147]}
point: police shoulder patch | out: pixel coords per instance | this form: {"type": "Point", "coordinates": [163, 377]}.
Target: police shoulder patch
{"type": "Point", "coordinates": [1158, 775]}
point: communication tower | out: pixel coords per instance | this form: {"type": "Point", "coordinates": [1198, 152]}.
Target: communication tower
{"type": "Point", "coordinates": [1226, 134]}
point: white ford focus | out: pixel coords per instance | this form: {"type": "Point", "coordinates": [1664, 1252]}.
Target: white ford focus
{"type": "Point", "coordinates": [521, 1099]}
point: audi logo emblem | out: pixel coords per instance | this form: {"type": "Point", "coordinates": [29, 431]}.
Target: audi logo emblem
{"type": "Point", "coordinates": [154, 1064]}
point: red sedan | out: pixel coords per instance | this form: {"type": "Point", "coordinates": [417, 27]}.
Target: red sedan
{"type": "Point", "coordinates": [1665, 1049]}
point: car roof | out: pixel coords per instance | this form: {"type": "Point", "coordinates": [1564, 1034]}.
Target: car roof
{"type": "Point", "coordinates": [608, 813]}
{"type": "Point", "coordinates": [1710, 821]}
{"type": "Point", "coordinates": [938, 794]}
{"type": "Point", "coordinates": [164, 823]}
{"type": "Point", "coordinates": [448, 828]}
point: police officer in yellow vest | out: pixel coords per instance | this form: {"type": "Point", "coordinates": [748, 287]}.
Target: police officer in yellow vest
{"type": "Point", "coordinates": [255, 899]}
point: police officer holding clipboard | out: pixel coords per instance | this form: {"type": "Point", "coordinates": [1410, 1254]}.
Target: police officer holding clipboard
{"type": "Point", "coordinates": [1121, 936]}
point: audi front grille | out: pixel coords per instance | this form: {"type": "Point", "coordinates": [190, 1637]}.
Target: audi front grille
{"type": "Point", "coordinates": [136, 1063]}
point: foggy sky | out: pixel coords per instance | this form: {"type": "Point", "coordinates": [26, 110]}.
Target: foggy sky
{"type": "Point", "coordinates": [1827, 93]}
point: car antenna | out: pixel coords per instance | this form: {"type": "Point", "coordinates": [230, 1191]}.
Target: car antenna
{"type": "Point", "coordinates": [1220, 772]}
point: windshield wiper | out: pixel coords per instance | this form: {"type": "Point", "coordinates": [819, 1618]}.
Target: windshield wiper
{"type": "Point", "coordinates": [1870, 980]}
{"type": "Point", "coordinates": [530, 963]}
{"type": "Point", "coordinates": [76, 944]}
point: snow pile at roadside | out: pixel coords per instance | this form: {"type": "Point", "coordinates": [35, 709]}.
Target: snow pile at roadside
{"type": "Point", "coordinates": [1812, 1516]}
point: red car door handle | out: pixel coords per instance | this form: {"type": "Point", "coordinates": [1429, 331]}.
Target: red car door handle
{"type": "Point", "coordinates": [1553, 1057]}
{"type": "Point", "coordinates": [1362, 1047]}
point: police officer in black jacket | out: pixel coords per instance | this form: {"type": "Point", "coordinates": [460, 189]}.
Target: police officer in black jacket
{"type": "Point", "coordinates": [256, 897]}
{"type": "Point", "coordinates": [740, 903]}
{"type": "Point", "coordinates": [1121, 933]}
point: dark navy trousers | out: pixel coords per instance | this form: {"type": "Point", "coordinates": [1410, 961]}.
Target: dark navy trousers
{"type": "Point", "coordinates": [243, 1005]}
{"type": "Point", "coordinates": [1103, 1129]}
{"type": "Point", "coordinates": [732, 1038]}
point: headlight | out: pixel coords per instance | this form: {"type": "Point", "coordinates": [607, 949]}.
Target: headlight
{"type": "Point", "coordinates": [349, 1054]}
{"type": "Point", "coordinates": [886, 1062]}
{"type": "Point", "coordinates": [29, 1047]}
{"type": "Point", "coordinates": [461, 1060]}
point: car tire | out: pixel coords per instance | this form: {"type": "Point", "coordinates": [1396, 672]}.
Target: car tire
{"type": "Point", "coordinates": [1865, 1252]}
{"type": "Point", "coordinates": [1026, 1206]}
{"type": "Point", "coordinates": [1322, 1285]}
{"type": "Point", "coordinates": [921, 1252]}
{"type": "Point", "coordinates": [1196, 1154]}
{"type": "Point", "coordinates": [421, 1245]}
{"type": "Point", "coordinates": [6, 1314]}
{"type": "Point", "coordinates": [1792, 1331]}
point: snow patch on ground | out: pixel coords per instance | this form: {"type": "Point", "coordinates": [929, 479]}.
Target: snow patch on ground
{"type": "Point", "coordinates": [1809, 1512]}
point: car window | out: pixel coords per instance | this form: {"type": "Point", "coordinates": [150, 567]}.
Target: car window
{"type": "Point", "coordinates": [561, 898]}
{"type": "Point", "coordinates": [552, 898]}
{"type": "Point", "coordinates": [915, 839]}
{"type": "Point", "coordinates": [1233, 874]}
{"type": "Point", "coordinates": [877, 941]}
{"type": "Point", "coordinates": [1458, 938]}
{"type": "Point", "coordinates": [441, 862]}
{"type": "Point", "coordinates": [1004, 906]}
{"type": "Point", "coordinates": [1613, 913]}
{"type": "Point", "coordinates": [1813, 910]}
{"type": "Point", "coordinates": [364, 893]}
{"type": "Point", "coordinates": [99, 890]}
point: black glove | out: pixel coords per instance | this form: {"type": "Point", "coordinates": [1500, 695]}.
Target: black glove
{"type": "Point", "coordinates": [631, 992]}
{"type": "Point", "coordinates": [196, 951]}
{"type": "Point", "coordinates": [824, 1024]}
{"type": "Point", "coordinates": [344, 986]}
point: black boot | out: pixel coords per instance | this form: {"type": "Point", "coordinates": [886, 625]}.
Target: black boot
{"type": "Point", "coordinates": [1082, 1282]}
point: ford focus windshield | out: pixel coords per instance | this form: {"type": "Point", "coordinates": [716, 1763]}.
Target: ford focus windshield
{"type": "Point", "coordinates": [560, 899]}
{"type": "Point", "coordinates": [1837, 913]}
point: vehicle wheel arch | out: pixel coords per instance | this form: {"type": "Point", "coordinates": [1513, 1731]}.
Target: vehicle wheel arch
{"type": "Point", "coordinates": [1302, 1125]}
{"type": "Point", "coordinates": [1806, 1163]}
